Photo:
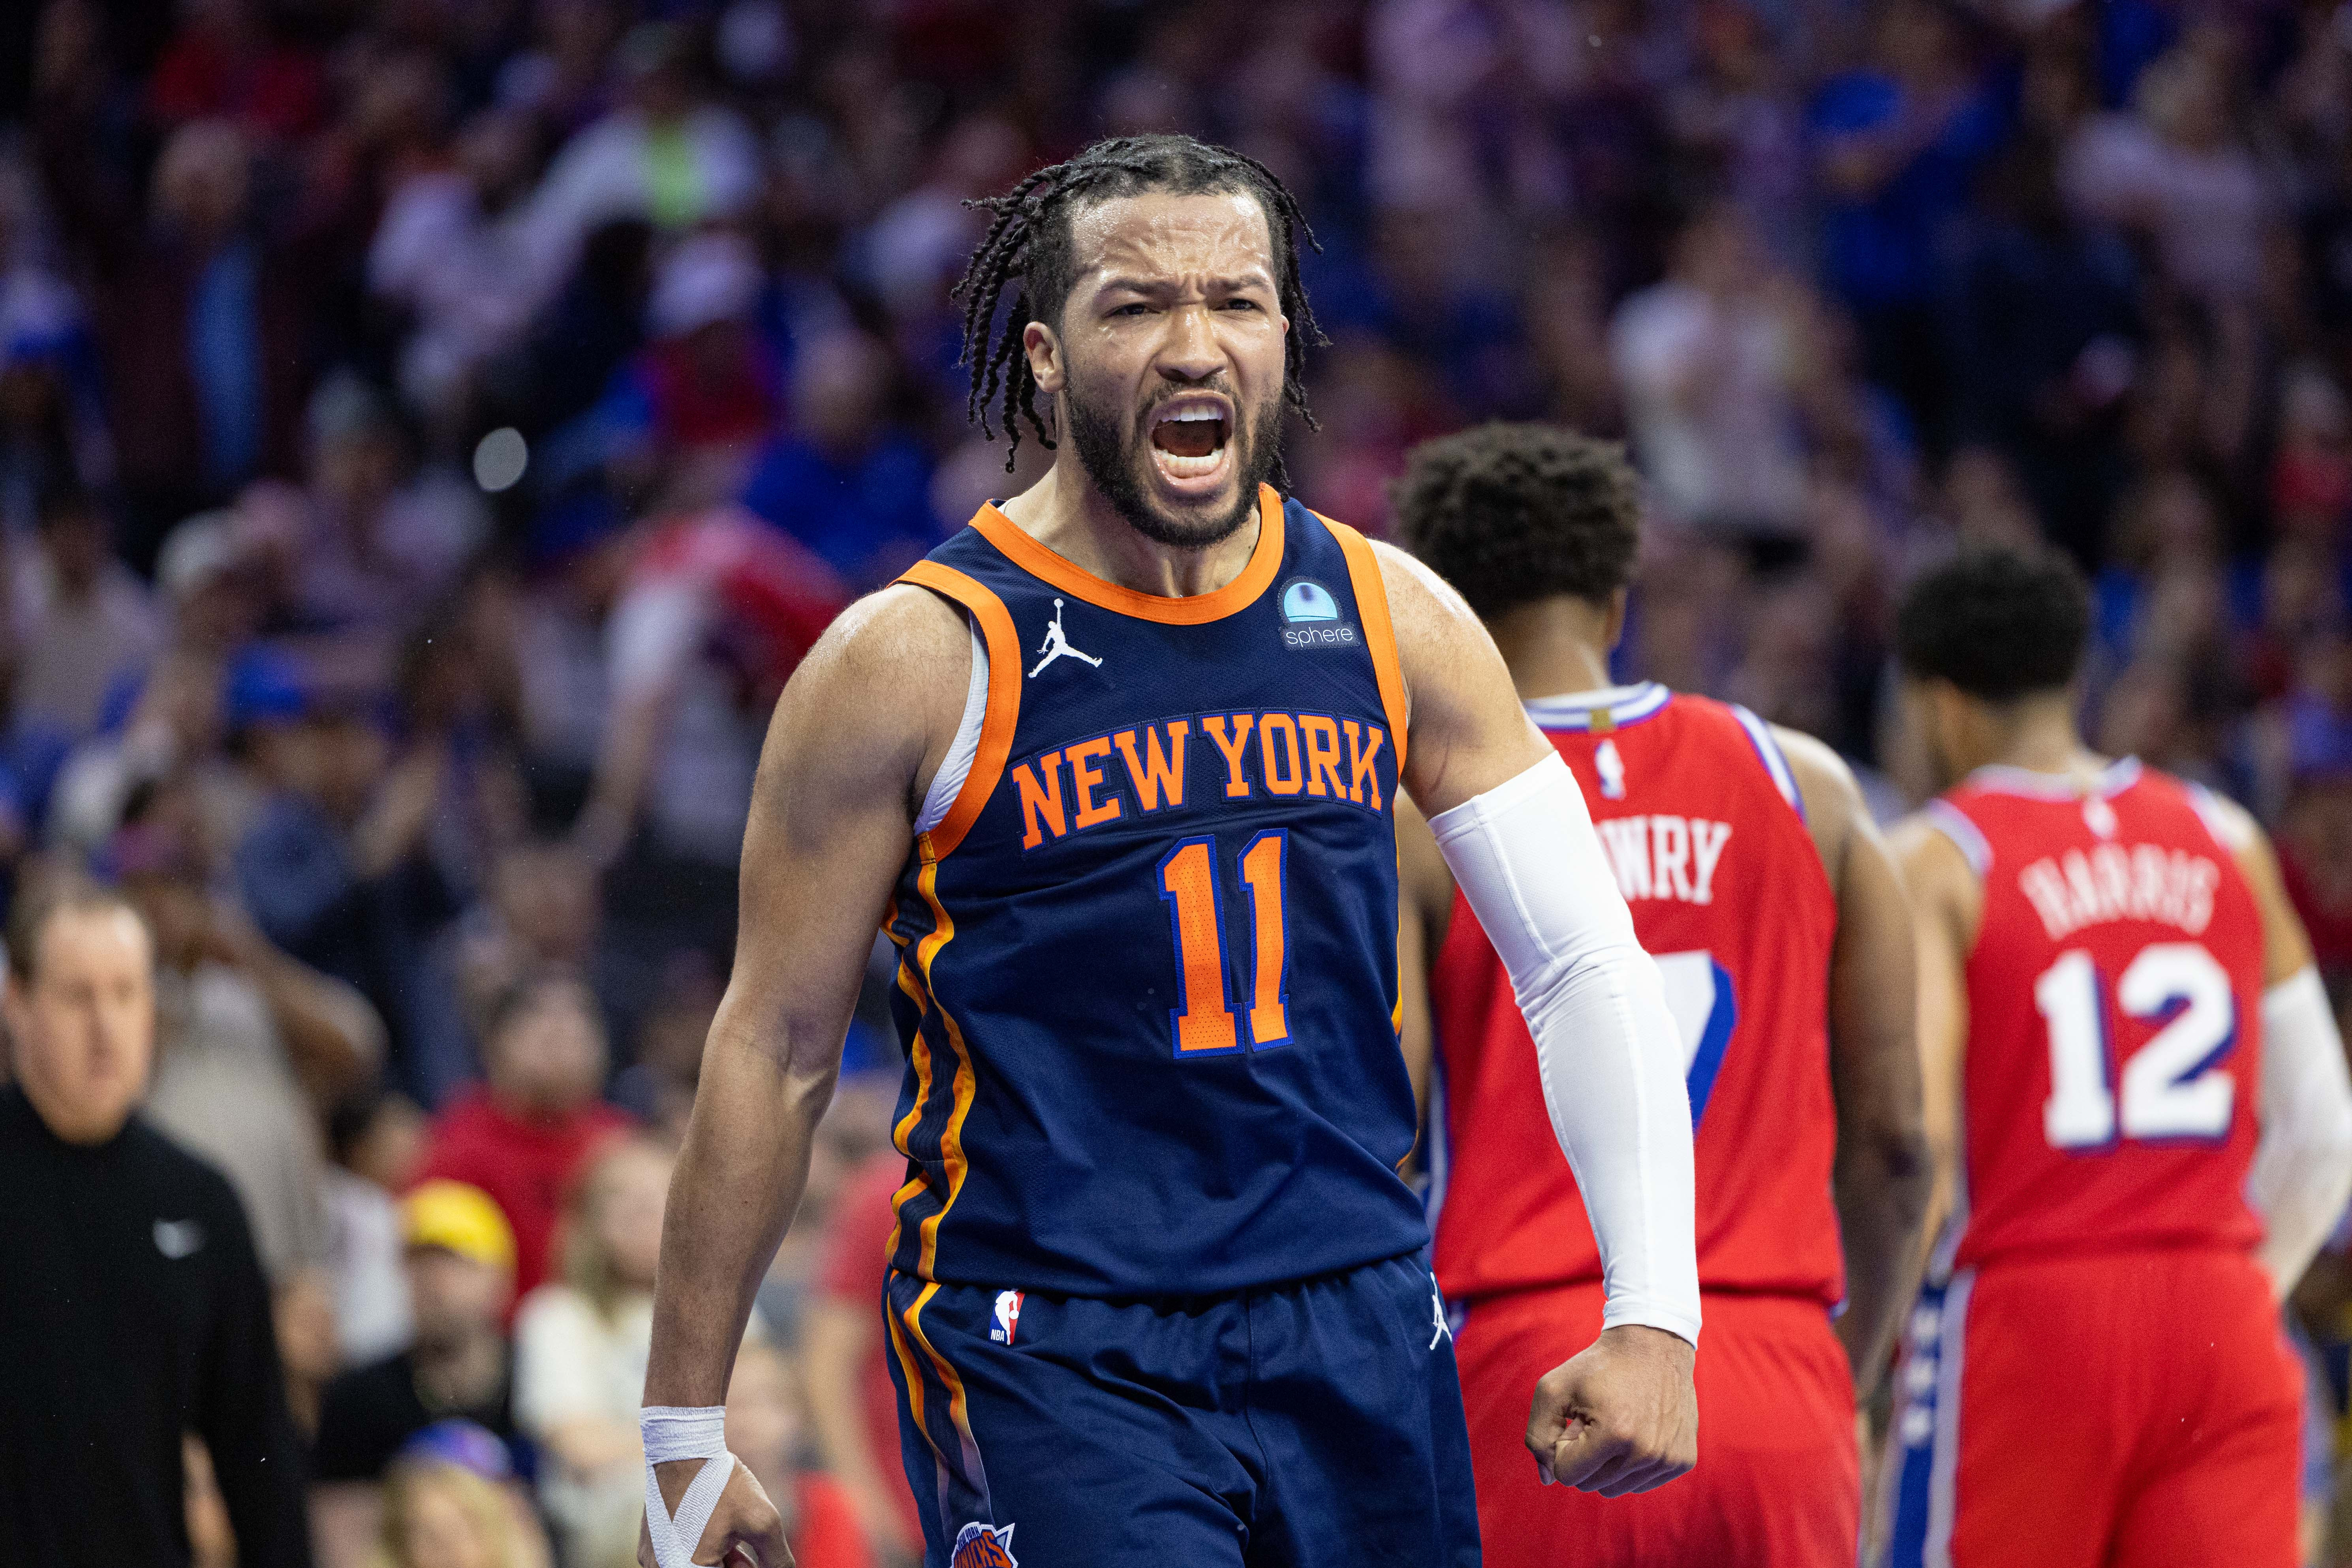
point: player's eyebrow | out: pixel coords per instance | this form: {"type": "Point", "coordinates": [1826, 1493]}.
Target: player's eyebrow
{"type": "Point", "coordinates": [1157, 285]}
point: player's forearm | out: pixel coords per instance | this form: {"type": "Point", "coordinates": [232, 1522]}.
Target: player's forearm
{"type": "Point", "coordinates": [739, 1181]}
{"type": "Point", "coordinates": [1882, 1184]}
{"type": "Point", "coordinates": [1606, 1047]}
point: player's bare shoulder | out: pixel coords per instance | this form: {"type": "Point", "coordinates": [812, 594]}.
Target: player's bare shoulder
{"type": "Point", "coordinates": [2286, 946]}
{"type": "Point", "coordinates": [1433, 622]}
{"type": "Point", "coordinates": [1825, 783]}
{"type": "Point", "coordinates": [880, 695]}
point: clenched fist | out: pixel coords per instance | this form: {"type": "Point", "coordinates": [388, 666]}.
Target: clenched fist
{"type": "Point", "coordinates": [744, 1532]}
{"type": "Point", "coordinates": [1619, 1417]}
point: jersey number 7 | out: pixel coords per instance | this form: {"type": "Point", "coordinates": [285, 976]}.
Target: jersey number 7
{"type": "Point", "coordinates": [1203, 1021]}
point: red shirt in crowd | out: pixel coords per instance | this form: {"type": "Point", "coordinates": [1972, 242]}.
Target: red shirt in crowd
{"type": "Point", "coordinates": [825, 1532]}
{"type": "Point", "coordinates": [525, 1166]}
{"type": "Point", "coordinates": [857, 1261]}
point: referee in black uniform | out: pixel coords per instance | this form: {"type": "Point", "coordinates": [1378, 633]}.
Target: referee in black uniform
{"type": "Point", "coordinates": [132, 1306]}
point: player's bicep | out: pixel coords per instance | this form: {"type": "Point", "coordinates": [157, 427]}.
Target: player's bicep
{"type": "Point", "coordinates": [1468, 731]}
{"type": "Point", "coordinates": [1425, 906]}
{"type": "Point", "coordinates": [830, 826]}
{"type": "Point", "coordinates": [1874, 1067]}
{"type": "Point", "coordinates": [1941, 890]}
{"type": "Point", "coordinates": [2286, 946]}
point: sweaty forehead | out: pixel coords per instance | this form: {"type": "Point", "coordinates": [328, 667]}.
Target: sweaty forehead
{"type": "Point", "coordinates": [1221, 234]}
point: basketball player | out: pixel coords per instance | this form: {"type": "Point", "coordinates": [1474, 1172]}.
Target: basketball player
{"type": "Point", "coordinates": [1117, 768]}
{"type": "Point", "coordinates": [2141, 1118]}
{"type": "Point", "coordinates": [1757, 879]}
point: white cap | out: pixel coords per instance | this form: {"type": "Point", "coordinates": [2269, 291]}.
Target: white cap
{"type": "Point", "coordinates": [708, 278]}
{"type": "Point", "coordinates": [199, 549]}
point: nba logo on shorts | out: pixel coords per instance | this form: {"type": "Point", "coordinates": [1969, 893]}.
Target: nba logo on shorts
{"type": "Point", "coordinates": [1008, 1319]}
{"type": "Point", "coordinates": [978, 1546]}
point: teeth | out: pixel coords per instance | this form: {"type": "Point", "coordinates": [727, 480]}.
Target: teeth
{"type": "Point", "coordinates": [1190, 415]}
{"type": "Point", "coordinates": [1189, 468]}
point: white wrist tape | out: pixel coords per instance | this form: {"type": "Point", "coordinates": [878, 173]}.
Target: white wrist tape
{"type": "Point", "coordinates": [1607, 1051]}
{"type": "Point", "coordinates": [683, 1432]}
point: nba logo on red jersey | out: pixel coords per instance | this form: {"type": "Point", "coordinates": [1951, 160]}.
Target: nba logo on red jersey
{"type": "Point", "coordinates": [979, 1546]}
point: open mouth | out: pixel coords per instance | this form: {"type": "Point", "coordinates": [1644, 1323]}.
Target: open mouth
{"type": "Point", "coordinates": [1188, 441]}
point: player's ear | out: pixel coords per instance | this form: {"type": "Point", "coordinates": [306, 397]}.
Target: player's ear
{"type": "Point", "coordinates": [1044, 347]}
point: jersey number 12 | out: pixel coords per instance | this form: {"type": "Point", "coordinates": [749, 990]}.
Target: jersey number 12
{"type": "Point", "coordinates": [2173, 1086]}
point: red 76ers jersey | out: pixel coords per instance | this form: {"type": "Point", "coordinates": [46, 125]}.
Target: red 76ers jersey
{"type": "Point", "coordinates": [1702, 825]}
{"type": "Point", "coordinates": [2114, 995]}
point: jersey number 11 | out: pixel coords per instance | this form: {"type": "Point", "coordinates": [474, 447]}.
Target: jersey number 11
{"type": "Point", "coordinates": [1204, 1022]}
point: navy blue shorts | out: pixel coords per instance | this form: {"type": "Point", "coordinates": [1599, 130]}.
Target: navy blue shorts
{"type": "Point", "coordinates": [1316, 1424]}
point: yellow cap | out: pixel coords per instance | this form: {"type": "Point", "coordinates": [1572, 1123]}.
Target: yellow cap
{"type": "Point", "coordinates": [462, 1218]}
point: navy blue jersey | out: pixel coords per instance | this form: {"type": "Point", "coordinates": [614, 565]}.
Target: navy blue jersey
{"type": "Point", "coordinates": [1149, 979]}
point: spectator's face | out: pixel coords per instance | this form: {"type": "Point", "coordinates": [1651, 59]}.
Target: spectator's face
{"type": "Point", "coordinates": [839, 384]}
{"type": "Point", "coordinates": [1174, 311]}
{"type": "Point", "coordinates": [392, 1148]}
{"type": "Point", "coordinates": [352, 757]}
{"type": "Point", "coordinates": [75, 544]}
{"type": "Point", "coordinates": [763, 1414]}
{"type": "Point", "coordinates": [438, 1531]}
{"type": "Point", "coordinates": [304, 1315]}
{"type": "Point", "coordinates": [201, 181]}
{"type": "Point", "coordinates": [454, 1297]}
{"type": "Point", "coordinates": [547, 896]}
{"type": "Point", "coordinates": [359, 470]}
{"type": "Point", "coordinates": [176, 911]}
{"type": "Point", "coordinates": [84, 1024]}
{"type": "Point", "coordinates": [636, 1185]}
{"type": "Point", "coordinates": [548, 1057]}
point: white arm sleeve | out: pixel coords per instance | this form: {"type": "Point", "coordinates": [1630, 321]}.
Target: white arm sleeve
{"type": "Point", "coordinates": [1527, 857]}
{"type": "Point", "coordinates": [2303, 1166]}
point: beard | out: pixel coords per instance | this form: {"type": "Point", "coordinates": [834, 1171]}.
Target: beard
{"type": "Point", "coordinates": [1116, 461]}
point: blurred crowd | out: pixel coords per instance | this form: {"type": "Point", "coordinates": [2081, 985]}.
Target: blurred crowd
{"type": "Point", "coordinates": [430, 432]}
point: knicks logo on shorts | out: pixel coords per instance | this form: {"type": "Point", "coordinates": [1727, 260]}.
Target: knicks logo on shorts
{"type": "Point", "coordinates": [979, 1546]}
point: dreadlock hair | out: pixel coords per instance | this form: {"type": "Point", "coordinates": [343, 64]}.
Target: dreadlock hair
{"type": "Point", "coordinates": [1028, 244]}
{"type": "Point", "coordinates": [1512, 514]}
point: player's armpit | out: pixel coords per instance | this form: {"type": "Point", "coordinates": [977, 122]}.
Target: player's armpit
{"type": "Point", "coordinates": [860, 726]}
{"type": "Point", "coordinates": [1468, 731]}
{"type": "Point", "coordinates": [1884, 1173]}
{"type": "Point", "coordinates": [1946, 905]}
{"type": "Point", "coordinates": [1425, 900]}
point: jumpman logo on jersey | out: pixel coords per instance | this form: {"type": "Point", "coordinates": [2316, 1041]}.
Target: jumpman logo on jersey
{"type": "Point", "coordinates": [1439, 1330]}
{"type": "Point", "coordinates": [1057, 645]}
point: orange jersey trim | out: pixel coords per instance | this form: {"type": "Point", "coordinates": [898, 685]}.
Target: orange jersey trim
{"type": "Point", "coordinates": [1380, 634]}
{"type": "Point", "coordinates": [1004, 642]}
{"type": "Point", "coordinates": [1193, 610]}
{"type": "Point", "coordinates": [907, 1365]}
{"type": "Point", "coordinates": [919, 1052]}
{"type": "Point", "coordinates": [966, 1084]}
{"type": "Point", "coordinates": [959, 1409]}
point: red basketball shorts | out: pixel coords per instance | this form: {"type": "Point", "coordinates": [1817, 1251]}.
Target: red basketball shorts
{"type": "Point", "coordinates": [2135, 1410]}
{"type": "Point", "coordinates": [1778, 1483]}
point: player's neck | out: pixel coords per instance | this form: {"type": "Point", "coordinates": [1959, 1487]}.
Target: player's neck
{"type": "Point", "coordinates": [2051, 745]}
{"type": "Point", "coordinates": [1067, 514]}
{"type": "Point", "coordinates": [1554, 647]}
